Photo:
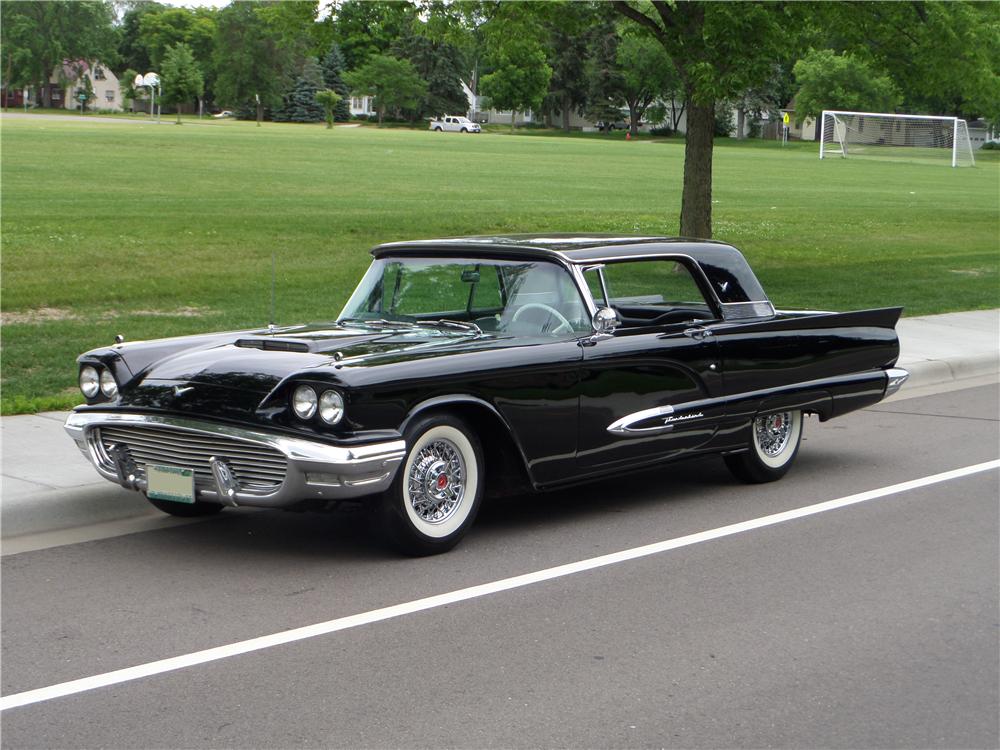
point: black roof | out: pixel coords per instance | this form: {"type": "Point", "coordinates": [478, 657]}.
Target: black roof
{"type": "Point", "coordinates": [724, 266]}
{"type": "Point", "coordinates": [575, 248]}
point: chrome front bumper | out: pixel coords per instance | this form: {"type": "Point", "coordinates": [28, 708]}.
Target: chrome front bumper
{"type": "Point", "coordinates": [314, 470]}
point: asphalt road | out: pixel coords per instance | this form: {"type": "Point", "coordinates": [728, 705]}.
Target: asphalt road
{"type": "Point", "coordinates": [872, 625]}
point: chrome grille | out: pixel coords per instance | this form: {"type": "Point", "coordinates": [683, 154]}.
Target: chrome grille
{"type": "Point", "coordinates": [259, 469]}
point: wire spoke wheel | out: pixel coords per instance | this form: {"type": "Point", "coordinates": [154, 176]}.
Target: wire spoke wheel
{"type": "Point", "coordinates": [774, 443]}
{"type": "Point", "coordinates": [437, 491]}
{"type": "Point", "coordinates": [436, 482]}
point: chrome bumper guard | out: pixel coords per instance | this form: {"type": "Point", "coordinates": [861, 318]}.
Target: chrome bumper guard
{"type": "Point", "coordinates": [895, 377]}
{"type": "Point", "coordinates": [314, 470]}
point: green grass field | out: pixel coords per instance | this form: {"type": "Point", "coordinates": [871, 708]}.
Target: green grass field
{"type": "Point", "coordinates": [154, 231]}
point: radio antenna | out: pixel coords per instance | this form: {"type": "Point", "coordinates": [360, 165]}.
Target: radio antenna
{"type": "Point", "coordinates": [271, 324]}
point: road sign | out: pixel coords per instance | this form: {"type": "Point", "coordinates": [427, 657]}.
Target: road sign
{"type": "Point", "coordinates": [786, 119]}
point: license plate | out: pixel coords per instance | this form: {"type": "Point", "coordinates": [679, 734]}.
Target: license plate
{"type": "Point", "coordinates": [170, 483]}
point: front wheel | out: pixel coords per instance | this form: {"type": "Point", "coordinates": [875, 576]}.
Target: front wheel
{"type": "Point", "coordinates": [437, 491]}
{"type": "Point", "coordinates": [774, 443]}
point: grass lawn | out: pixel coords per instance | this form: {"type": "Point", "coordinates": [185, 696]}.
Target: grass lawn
{"type": "Point", "coordinates": [162, 230]}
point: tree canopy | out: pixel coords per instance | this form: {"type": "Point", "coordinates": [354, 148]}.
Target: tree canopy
{"type": "Point", "coordinates": [180, 77]}
{"type": "Point", "coordinates": [394, 83]}
{"type": "Point", "coordinates": [36, 37]}
{"type": "Point", "coordinates": [827, 80]}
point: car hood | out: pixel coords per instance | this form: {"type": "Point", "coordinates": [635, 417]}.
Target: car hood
{"type": "Point", "coordinates": [257, 362]}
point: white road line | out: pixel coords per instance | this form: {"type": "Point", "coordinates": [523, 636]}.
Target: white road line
{"type": "Point", "coordinates": [398, 610]}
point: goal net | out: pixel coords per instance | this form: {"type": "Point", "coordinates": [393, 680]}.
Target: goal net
{"type": "Point", "coordinates": [913, 137]}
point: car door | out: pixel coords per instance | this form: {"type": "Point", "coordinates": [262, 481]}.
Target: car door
{"type": "Point", "coordinates": [653, 388]}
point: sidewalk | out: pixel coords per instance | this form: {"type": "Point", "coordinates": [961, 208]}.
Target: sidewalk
{"type": "Point", "coordinates": [47, 484]}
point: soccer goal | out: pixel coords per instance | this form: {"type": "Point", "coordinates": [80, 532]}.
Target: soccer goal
{"type": "Point", "coordinates": [914, 137]}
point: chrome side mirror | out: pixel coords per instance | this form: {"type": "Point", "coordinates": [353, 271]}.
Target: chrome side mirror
{"type": "Point", "coordinates": [605, 321]}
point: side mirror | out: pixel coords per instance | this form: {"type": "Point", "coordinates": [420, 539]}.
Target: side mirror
{"type": "Point", "coordinates": [605, 321]}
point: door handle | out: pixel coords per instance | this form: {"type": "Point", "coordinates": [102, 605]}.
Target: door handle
{"type": "Point", "coordinates": [698, 333]}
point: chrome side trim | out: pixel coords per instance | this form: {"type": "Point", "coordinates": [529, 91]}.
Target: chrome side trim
{"type": "Point", "coordinates": [895, 377]}
{"type": "Point", "coordinates": [348, 471]}
{"type": "Point", "coordinates": [691, 410]}
{"type": "Point", "coordinates": [624, 426]}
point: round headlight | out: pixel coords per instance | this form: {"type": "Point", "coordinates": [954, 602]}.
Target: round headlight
{"type": "Point", "coordinates": [109, 386]}
{"type": "Point", "coordinates": [331, 407]}
{"type": "Point", "coordinates": [304, 402]}
{"type": "Point", "coordinates": [90, 381]}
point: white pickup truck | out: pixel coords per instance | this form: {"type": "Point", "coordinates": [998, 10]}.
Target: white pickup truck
{"type": "Point", "coordinates": [454, 124]}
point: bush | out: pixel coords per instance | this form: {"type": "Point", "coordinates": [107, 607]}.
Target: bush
{"type": "Point", "coordinates": [990, 145]}
{"type": "Point", "coordinates": [662, 130]}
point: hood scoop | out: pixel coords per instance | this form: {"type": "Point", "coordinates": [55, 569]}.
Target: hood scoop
{"type": "Point", "coordinates": [273, 345]}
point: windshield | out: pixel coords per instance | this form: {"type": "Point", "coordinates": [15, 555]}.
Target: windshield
{"type": "Point", "coordinates": [513, 297]}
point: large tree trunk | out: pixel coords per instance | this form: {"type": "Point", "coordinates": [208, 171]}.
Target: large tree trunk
{"type": "Point", "coordinates": [260, 112]}
{"type": "Point", "coordinates": [696, 200]}
{"type": "Point", "coordinates": [45, 90]}
{"type": "Point", "coordinates": [566, 104]}
{"type": "Point", "coordinates": [633, 118]}
{"type": "Point", "coordinates": [740, 123]}
{"type": "Point", "coordinates": [513, 116]}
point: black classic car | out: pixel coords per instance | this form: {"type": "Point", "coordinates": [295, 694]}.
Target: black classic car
{"type": "Point", "coordinates": [482, 364]}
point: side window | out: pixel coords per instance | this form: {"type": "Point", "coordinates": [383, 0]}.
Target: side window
{"type": "Point", "coordinates": [651, 292]}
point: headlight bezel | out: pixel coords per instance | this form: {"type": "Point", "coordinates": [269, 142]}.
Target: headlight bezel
{"type": "Point", "coordinates": [94, 379]}
{"type": "Point", "coordinates": [308, 395]}
{"type": "Point", "coordinates": [109, 384]}
{"type": "Point", "coordinates": [331, 400]}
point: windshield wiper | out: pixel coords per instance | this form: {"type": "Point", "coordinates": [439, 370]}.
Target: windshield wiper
{"type": "Point", "coordinates": [445, 323]}
{"type": "Point", "coordinates": [376, 322]}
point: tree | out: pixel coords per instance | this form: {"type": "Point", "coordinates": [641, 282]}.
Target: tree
{"type": "Point", "coordinates": [364, 28]}
{"type": "Point", "coordinates": [568, 39]}
{"type": "Point", "coordinates": [440, 64]}
{"type": "Point", "coordinates": [519, 79]}
{"type": "Point", "coordinates": [943, 57]}
{"type": "Point", "coordinates": [604, 76]}
{"type": "Point", "coordinates": [328, 99]}
{"type": "Point", "coordinates": [394, 83]}
{"type": "Point", "coordinates": [126, 84]}
{"type": "Point", "coordinates": [515, 56]}
{"type": "Point", "coordinates": [333, 79]}
{"type": "Point", "coordinates": [718, 51]}
{"type": "Point", "coordinates": [36, 37]}
{"type": "Point", "coordinates": [161, 30]}
{"type": "Point", "coordinates": [251, 66]}
{"type": "Point", "coordinates": [132, 51]}
{"type": "Point", "coordinates": [646, 74]}
{"type": "Point", "coordinates": [830, 81]}
{"type": "Point", "coordinates": [180, 78]}
{"type": "Point", "coordinates": [300, 105]}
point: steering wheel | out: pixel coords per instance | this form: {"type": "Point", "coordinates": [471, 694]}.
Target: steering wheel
{"type": "Point", "coordinates": [564, 325]}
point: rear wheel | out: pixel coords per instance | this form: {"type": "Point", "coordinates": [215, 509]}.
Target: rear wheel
{"type": "Point", "coordinates": [437, 491]}
{"type": "Point", "coordinates": [774, 443]}
{"type": "Point", "coordinates": [185, 510]}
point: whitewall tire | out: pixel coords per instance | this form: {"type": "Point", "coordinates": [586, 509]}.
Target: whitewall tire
{"type": "Point", "coordinates": [437, 491]}
{"type": "Point", "coordinates": [774, 444]}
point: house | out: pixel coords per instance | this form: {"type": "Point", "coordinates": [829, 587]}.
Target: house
{"type": "Point", "coordinates": [476, 113]}
{"type": "Point", "coordinates": [362, 106]}
{"type": "Point", "coordinates": [68, 80]}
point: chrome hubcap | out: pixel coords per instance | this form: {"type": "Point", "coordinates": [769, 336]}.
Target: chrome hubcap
{"type": "Point", "coordinates": [772, 432]}
{"type": "Point", "coordinates": [436, 481]}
